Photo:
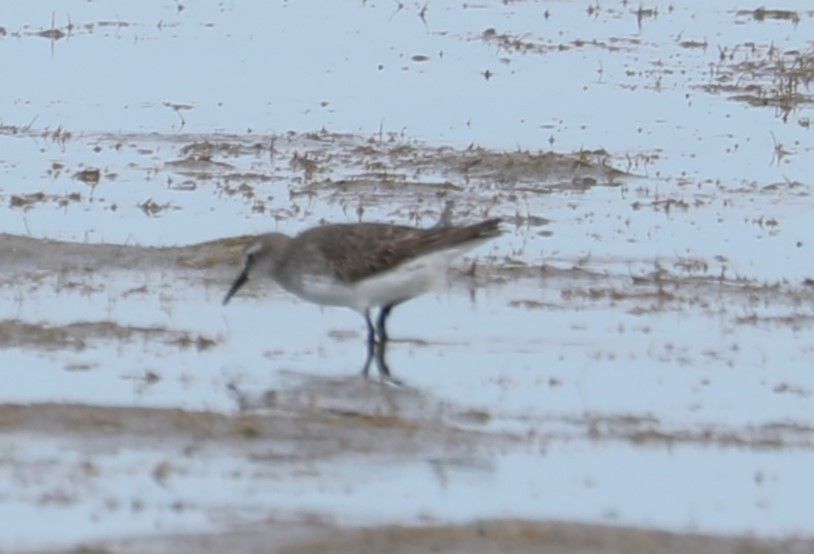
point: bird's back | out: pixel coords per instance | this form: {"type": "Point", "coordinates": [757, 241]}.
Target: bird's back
{"type": "Point", "coordinates": [355, 251]}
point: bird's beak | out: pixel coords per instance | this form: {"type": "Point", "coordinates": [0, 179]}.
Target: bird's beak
{"type": "Point", "coordinates": [236, 286]}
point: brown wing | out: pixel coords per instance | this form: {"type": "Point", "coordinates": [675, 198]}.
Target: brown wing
{"type": "Point", "coordinates": [359, 251]}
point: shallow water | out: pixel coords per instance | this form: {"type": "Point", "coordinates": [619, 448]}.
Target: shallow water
{"type": "Point", "coordinates": [639, 332]}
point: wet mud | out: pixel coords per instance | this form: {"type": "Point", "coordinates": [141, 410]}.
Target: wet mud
{"type": "Point", "coordinates": [298, 433]}
{"type": "Point", "coordinates": [626, 369]}
{"type": "Point", "coordinates": [520, 537]}
{"type": "Point", "coordinates": [318, 420]}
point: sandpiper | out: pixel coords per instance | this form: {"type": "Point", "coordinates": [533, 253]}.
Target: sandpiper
{"type": "Point", "coordinates": [361, 266]}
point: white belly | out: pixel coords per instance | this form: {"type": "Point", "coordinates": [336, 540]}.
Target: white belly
{"type": "Point", "coordinates": [401, 283]}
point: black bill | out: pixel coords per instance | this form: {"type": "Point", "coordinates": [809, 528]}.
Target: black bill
{"type": "Point", "coordinates": [236, 286]}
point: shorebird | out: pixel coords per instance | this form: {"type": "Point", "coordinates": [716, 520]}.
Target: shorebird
{"type": "Point", "coordinates": [361, 266]}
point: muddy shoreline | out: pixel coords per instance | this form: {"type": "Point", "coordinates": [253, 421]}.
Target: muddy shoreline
{"type": "Point", "coordinates": [297, 432]}
{"type": "Point", "coordinates": [627, 368]}
{"type": "Point", "coordinates": [481, 537]}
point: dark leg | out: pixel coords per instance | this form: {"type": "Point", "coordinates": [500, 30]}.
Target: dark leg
{"type": "Point", "coordinates": [377, 343]}
{"type": "Point", "coordinates": [381, 330]}
{"type": "Point", "coordinates": [371, 343]}
{"type": "Point", "coordinates": [384, 370]}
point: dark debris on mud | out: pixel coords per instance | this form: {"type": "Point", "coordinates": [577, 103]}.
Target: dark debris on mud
{"type": "Point", "coordinates": [75, 336]}
{"type": "Point", "coordinates": [296, 432]}
{"type": "Point", "coordinates": [282, 174]}
{"type": "Point", "coordinates": [328, 160]}
{"type": "Point", "coordinates": [764, 76]}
